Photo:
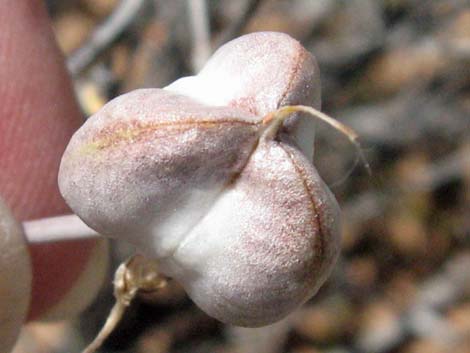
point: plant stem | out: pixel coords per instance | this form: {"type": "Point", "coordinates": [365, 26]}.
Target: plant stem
{"type": "Point", "coordinates": [57, 229]}
{"type": "Point", "coordinates": [113, 319]}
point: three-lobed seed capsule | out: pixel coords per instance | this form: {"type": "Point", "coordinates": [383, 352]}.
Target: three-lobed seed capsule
{"type": "Point", "coordinates": [190, 176]}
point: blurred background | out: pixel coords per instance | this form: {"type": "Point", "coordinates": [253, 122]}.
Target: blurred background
{"type": "Point", "coordinates": [398, 72]}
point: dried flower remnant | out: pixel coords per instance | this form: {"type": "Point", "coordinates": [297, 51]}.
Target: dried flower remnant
{"type": "Point", "coordinates": [132, 277]}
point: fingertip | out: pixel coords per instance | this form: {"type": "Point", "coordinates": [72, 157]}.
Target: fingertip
{"type": "Point", "coordinates": [38, 115]}
{"type": "Point", "coordinates": [66, 298]}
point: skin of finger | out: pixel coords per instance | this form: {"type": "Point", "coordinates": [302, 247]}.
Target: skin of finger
{"type": "Point", "coordinates": [38, 114]}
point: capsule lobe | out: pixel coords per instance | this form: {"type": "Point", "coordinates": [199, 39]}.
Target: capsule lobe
{"type": "Point", "coordinates": [266, 245]}
{"type": "Point", "coordinates": [150, 163]}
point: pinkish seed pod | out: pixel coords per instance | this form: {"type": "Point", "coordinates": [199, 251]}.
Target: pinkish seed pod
{"type": "Point", "coordinates": [238, 215]}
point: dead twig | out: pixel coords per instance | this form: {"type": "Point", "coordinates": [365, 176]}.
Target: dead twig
{"type": "Point", "coordinates": [406, 119]}
{"type": "Point", "coordinates": [372, 204]}
{"type": "Point", "coordinates": [199, 22]}
{"type": "Point", "coordinates": [104, 35]}
{"type": "Point", "coordinates": [236, 27]}
{"type": "Point", "coordinates": [268, 339]}
{"type": "Point", "coordinates": [450, 167]}
{"type": "Point", "coordinates": [423, 318]}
